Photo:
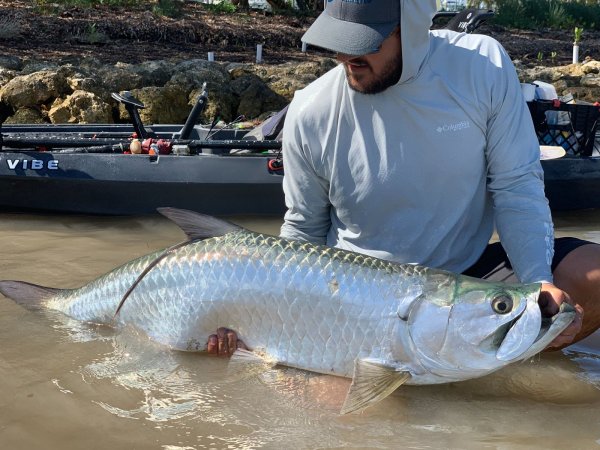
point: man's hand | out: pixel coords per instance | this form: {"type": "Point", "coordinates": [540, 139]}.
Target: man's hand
{"type": "Point", "coordinates": [224, 343]}
{"type": "Point", "coordinates": [550, 300]}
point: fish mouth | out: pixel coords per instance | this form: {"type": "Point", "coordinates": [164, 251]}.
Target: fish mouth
{"type": "Point", "coordinates": [528, 333]}
{"type": "Point", "coordinates": [551, 328]}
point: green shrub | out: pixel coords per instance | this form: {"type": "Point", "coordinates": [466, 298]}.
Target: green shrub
{"type": "Point", "coordinates": [562, 14]}
{"type": "Point", "coordinates": [168, 8]}
{"type": "Point", "coordinates": [557, 16]}
{"type": "Point", "coordinates": [511, 13]}
{"type": "Point", "coordinates": [587, 16]}
{"type": "Point", "coordinates": [222, 7]}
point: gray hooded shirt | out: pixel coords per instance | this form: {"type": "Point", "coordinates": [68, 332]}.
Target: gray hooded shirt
{"type": "Point", "coordinates": [423, 171]}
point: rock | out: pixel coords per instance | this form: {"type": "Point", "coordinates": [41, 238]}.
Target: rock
{"type": "Point", "coordinates": [255, 96]}
{"type": "Point", "coordinates": [239, 70]}
{"type": "Point", "coordinates": [190, 75]}
{"type": "Point", "coordinates": [11, 63]}
{"type": "Point", "coordinates": [89, 64]}
{"type": "Point", "coordinates": [72, 60]}
{"type": "Point", "coordinates": [154, 73]}
{"type": "Point", "coordinates": [60, 113]}
{"type": "Point", "coordinates": [287, 87]}
{"type": "Point", "coordinates": [547, 74]}
{"type": "Point", "coordinates": [583, 93]}
{"type": "Point", "coordinates": [310, 69]}
{"type": "Point", "coordinates": [591, 80]}
{"type": "Point", "coordinates": [222, 102]}
{"type": "Point", "coordinates": [6, 75]}
{"type": "Point", "coordinates": [26, 115]}
{"type": "Point", "coordinates": [561, 86]}
{"type": "Point", "coordinates": [116, 79]}
{"type": "Point", "coordinates": [81, 107]}
{"type": "Point", "coordinates": [80, 82]}
{"type": "Point", "coordinates": [590, 66]}
{"type": "Point", "coordinates": [167, 104]}
{"type": "Point", "coordinates": [285, 79]}
{"type": "Point", "coordinates": [570, 70]}
{"type": "Point", "coordinates": [198, 64]}
{"type": "Point", "coordinates": [34, 89]}
{"type": "Point", "coordinates": [38, 66]}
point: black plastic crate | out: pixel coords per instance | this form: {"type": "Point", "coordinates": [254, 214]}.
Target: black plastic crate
{"type": "Point", "coordinates": [571, 126]}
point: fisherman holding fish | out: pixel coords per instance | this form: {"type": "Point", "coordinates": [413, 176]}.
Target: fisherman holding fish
{"type": "Point", "coordinates": [391, 161]}
{"type": "Point", "coordinates": [415, 148]}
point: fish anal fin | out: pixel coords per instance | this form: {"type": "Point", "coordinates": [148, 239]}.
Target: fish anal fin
{"type": "Point", "coordinates": [373, 380]}
{"type": "Point", "coordinates": [198, 226]}
{"type": "Point", "coordinates": [245, 363]}
{"type": "Point", "coordinates": [27, 294]}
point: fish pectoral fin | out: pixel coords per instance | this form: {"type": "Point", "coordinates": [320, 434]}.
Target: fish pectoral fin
{"type": "Point", "coordinates": [247, 363]}
{"type": "Point", "coordinates": [373, 380]}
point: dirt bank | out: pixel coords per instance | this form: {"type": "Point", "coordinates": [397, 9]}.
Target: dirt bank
{"type": "Point", "coordinates": [136, 35]}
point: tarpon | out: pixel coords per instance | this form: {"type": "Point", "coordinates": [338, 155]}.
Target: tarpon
{"type": "Point", "coordinates": [313, 307]}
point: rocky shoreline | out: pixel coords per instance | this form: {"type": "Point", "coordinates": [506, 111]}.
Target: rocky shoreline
{"type": "Point", "coordinates": [79, 90]}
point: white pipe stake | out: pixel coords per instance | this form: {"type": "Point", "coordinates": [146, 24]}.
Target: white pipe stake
{"type": "Point", "coordinates": [304, 46]}
{"type": "Point", "coordinates": [211, 56]}
{"type": "Point", "coordinates": [258, 53]}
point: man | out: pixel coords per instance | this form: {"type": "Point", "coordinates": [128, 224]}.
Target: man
{"type": "Point", "coordinates": [414, 148]}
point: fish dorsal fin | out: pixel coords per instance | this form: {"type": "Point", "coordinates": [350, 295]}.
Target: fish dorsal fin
{"type": "Point", "coordinates": [198, 226]}
{"type": "Point", "coordinates": [373, 380]}
{"type": "Point", "coordinates": [27, 294]}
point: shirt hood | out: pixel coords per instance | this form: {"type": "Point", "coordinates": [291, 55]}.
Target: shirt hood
{"type": "Point", "coordinates": [416, 17]}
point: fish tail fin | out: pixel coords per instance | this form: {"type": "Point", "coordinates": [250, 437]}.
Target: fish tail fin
{"type": "Point", "coordinates": [27, 294]}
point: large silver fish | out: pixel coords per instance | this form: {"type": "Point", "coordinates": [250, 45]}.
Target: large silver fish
{"type": "Point", "coordinates": [313, 307]}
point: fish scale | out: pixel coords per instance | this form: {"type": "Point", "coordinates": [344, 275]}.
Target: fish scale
{"type": "Point", "coordinates": [314, 307]}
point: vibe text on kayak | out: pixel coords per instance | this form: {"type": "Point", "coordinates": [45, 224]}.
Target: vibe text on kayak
{"type": "Point", "coordinates": [34, 164]}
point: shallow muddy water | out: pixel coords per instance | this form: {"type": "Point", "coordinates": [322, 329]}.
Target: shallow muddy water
{"type": "Point", "coordinates": [65, 385]}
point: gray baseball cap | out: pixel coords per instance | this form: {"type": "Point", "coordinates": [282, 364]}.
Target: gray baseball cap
{"type": "Point", "coordinates": [354, 27]}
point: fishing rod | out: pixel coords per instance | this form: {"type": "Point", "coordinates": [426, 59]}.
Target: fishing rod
{"type": "Point", "coordinates": [244, 144]}
{"type": "Point", "coordinates": [65, 145]}
{"type": "Point", "coordinates": [21, 142]}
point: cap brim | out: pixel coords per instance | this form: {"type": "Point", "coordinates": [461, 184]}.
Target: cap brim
{"type": "Point", "coordinates": [345, 37]}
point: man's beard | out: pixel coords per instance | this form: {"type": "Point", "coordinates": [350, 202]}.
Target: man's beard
{"type": "Point", "coordinates": [389, 76]}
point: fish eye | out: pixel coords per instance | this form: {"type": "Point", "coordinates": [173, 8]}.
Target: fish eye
{"type": "Point", "coordinates": [502, 304]}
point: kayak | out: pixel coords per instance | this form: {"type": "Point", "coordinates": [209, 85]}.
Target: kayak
{"type": "Point", "coordinates": [104, 177]}
{"type": "Point", "coordinates": [211, 179]}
